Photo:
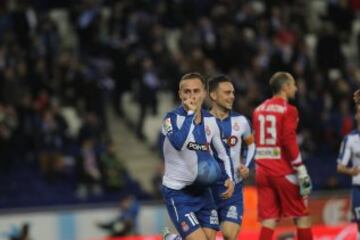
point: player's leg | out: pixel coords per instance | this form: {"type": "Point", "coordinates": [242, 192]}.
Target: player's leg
{"type": "Point", "coordinates": [294, 205]}
{"type": "Point", "coordinates": [167, 235]}
{"type": "Point", "coordinates": [210, 233]}
{"type": "Point", "coordinates": [267, 228]}
{"type": "Point", "coordinates": [193, 213]}
{"type": "Point", "coordinates": [231, 214]}
{"type": "Point", "coordinates": [208, 216]}
{"type": "Point", "coordinates": [268, 206]}
{"type": "Point", "coordinates": [355, 206]}
{"type": "Point", "coordinates": [230, 230]}
{"type": "Point", "coordinates": [303, 226]}
{"type": "Point", "coordinates": [197, 234]}
{"type": "Point", "coordinates": [181, 208]}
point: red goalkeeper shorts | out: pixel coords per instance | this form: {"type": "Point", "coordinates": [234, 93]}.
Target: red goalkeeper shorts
{"type": "Point", "coordinates": [279, 196]}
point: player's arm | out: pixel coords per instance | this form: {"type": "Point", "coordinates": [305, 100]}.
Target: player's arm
{"type": "Point", "coordinates": [220, 149]}
{"type": "Point", "coordinates": [344, 158]}
{"type": "Point", "coordinates": [288, 141]}
{"type": "Point", "coordinates": [177, 136]}
{"type": "Point", "coordinates": [291, 148]}
{"type": "Point", "coordinates": [248, 139]}
{"type": "Point", "coordinates": [250, 142]}
{"type": "Point", "coordinates": [351, 171]}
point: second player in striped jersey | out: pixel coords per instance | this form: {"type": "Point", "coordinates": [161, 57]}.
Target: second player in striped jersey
{"type": "Point", "coordinates": [235, 130]}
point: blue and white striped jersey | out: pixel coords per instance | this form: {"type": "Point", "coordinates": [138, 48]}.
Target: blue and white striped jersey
{"type": "Point", "coordinates": [186, 144]}
{"type": "Point", "coordinates": [234, 129]}
{"type": "Point", "coordinates": [350, 151]}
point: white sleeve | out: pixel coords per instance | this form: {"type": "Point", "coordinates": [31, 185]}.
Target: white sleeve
{"type": "Point", "coordinates": [247, 131]}
{"type": "Point", "coordinates": [345, 152]}
{"type": "Point", "coordinates": [250, 154]}
{"type": "Point", "coordinates": [219, 147]}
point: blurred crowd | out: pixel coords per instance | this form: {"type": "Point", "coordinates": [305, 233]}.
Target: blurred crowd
{"type": "Point", "coordinates": [316, 41]}
{"type": "Point", "coordinates": [63, 62]}
{"type": "Point", "coordinates": [52, 101]}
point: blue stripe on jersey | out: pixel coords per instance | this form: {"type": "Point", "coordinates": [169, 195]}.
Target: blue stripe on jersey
{"type": "Point", "coordinates": [225, 132]}
{"type": "Point", "coordinates": [342, 150]}
{"type": "Point", "coordinates": [161, 141]}
{"type": "Point", "coordinates": [221, 163]}
{"type": "Point", "coordinates": [200, 138]}
{"type": "Point", "coordinates": [213, 171]}
{"type": "Point", "coordinates": [178, 136]}
{"type": "Point", "coordinates": [244, 149]}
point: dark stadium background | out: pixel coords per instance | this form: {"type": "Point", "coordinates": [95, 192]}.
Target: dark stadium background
{"type": "Point", "coordinates": [96, 76]}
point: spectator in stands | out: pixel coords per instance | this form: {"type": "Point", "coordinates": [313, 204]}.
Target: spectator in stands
{"type": "Point", "coordinates": [114, 170]}
{"type": "Point", "coordinates": [126, 222]}
{"type": "Point", "coordinates": [329, 39]}
{"type": "Point", "coordinates": [8, 125]}
{"type": "Point", "coordinates": [21, 233]}
{"type": "Point", "coordinates": [149, 85]}
{"type": "Point", "coordinates": [157, 180]}
{"type": "Point", "coordinates": [51, 144]}
{"type": "Point", "coordinates": [89, 170]}
{"type": "Point", "coordinates": [90, 128]}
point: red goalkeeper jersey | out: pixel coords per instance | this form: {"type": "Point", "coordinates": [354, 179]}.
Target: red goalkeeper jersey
{"type": "Point", "coordinates": [275, 122]}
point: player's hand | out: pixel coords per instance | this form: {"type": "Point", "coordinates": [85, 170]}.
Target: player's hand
{"type": "Point", "coordinates": [189, 104]}
{"type": "Point", "coordinates": [304, 181]}
{"type": "Point", "coordinates": [243, 171]}
{"type": "Point", "coordinates": [354, 171]}
{"type": "Point", "coordinates": [229, 188]}
{"type": "Point", "coordinates": [357, 96]}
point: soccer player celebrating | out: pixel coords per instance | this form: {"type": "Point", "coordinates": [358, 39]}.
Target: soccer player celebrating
{"type": "Point", "coordinates": [234, 129]}
{"type": "Point", "coordinates": [281, 177]}
{"type": "Point", "coordinates": [190, 167]}
{"type": "Point", "coordinates": [350, 152]}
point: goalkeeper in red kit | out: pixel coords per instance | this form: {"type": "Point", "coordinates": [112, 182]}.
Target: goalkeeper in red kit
{"type": "Point", "coordinates": [282, 181]}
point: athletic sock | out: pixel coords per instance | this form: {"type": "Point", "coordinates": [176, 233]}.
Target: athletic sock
{"type": "Point", "coordinates": [266, 233]}
{"type": "Point", "coordinates": [304, 234]}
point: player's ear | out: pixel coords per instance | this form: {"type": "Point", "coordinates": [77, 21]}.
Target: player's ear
{"type": "Point", "coordinates": [285, 86]}
{"type": "Point", "coordinates": [212, 96]}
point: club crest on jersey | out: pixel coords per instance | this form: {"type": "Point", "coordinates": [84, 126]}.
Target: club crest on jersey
{"type": "Point", "coordinates": [231, 141]}
{"type": "Point", "coordinates": [207, 130]}
{"type": "Point", "coordinates": [167, 125]}
{"type": "Point", "coordinates": [236, 126]}
{"type": "Point", "coordinates": [198, 147]}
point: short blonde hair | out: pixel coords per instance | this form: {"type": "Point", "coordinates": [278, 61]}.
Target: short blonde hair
{"type": "Point", "coordinates": [193, 75]}
{"type": "Point", "coordinates": [277, 80]}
